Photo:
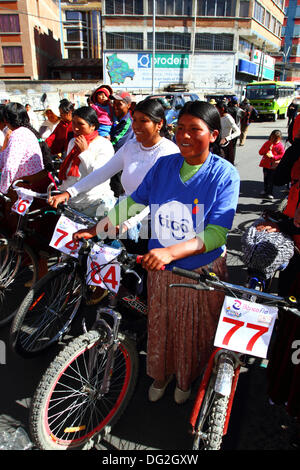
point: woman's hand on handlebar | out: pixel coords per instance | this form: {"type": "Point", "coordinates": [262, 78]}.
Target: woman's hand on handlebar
{"type": "Point", "coordinates": [85, 233]}
{"type": "Point", "coordinates": [102, 229]}
{"type": "Point", "coordinates": [58, 199]}
{"type": "Point", "coordinates": [156, 259]}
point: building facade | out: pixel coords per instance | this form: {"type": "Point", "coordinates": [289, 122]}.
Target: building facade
{"type": "Point", "coordinates": [211, 44]}
{"type": "Point", "coordinates": [82, 29]}
{"type": "Point", "coordinates": [29, 38]}
{"type": "Point", "coordinates": [288, 60]}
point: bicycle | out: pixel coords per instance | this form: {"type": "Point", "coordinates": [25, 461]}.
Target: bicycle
{"type": "Point", "coordinates": [49, 308]}
{"type": "Point", "coordinates": [19, 263]}
{"type": "Point", "coordinates": [87, 387]}
{"type": "Point", "coordinates": [48, 311]}
{"type": "Point", "coordinates": [211, 411]}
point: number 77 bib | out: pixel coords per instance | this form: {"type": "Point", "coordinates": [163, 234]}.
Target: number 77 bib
{"type": "Point", "coordinates": [245, 327]}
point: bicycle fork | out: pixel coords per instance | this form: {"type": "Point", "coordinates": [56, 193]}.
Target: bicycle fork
{"type": "Point", "coordinates": [110, 343]}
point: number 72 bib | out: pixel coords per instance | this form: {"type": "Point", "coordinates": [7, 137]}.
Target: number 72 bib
{"type": "Point", "coordinates": [62, 236]}
{"type": "Point", "coordinates": [245, 327]}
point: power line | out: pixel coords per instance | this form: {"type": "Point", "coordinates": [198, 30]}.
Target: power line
{"type": "Point", "coordinates": [165, 45]}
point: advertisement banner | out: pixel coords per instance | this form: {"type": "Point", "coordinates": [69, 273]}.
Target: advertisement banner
{"type": "Point", "coordinates": [133, 70]}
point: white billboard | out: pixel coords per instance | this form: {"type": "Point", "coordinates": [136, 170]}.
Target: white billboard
{"type": "Point", "coordinates": [205, 71]}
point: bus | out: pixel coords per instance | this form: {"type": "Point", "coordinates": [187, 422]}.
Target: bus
{"type": "Point", "coordinates": [270, 98]}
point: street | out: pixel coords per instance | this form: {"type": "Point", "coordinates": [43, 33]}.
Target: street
{"type": "Point", "coordinates": [255, 423]}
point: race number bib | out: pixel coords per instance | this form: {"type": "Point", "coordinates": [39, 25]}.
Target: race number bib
{"type": "Point", "coordinates": [23, 203]}
{"type": "Point", "coordinates": [62, 236]}
{"type": "Point", "coordinates": [101, 270]}
{"type": "Point", "coordinates": [245, 327]}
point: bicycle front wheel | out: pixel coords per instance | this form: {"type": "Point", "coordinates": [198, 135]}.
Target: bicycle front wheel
{"type": "Point", "coordinates": [211, 419]}
{"type": "Point", "coordinates": [67, 409]}
{"type": "Point", "coordinates": [46, 312]}
{"type": "Point", "coordinates": [18, 272]}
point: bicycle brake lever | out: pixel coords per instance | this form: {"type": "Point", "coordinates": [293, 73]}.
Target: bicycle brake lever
{"type": "Point", "coordinates": [135, 274]}
{"type": "Point", "coordinates": [51, 185]}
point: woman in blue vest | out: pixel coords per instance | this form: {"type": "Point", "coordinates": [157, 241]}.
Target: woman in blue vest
{"type": "Point", "coordinates": [192, 198]}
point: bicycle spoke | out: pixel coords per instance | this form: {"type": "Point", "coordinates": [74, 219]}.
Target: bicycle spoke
{"type": "Point", "coordinates": [77, 393]}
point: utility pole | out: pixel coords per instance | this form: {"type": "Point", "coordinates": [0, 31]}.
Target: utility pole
{"type": "Point", "coordinates": [153, 43]}
{"type": "Point", "coordinates": [62, 44]}
{"type": "Point", "coordinates": [193, 39]}
{"type": "Point", "coordinates": [261, 63]}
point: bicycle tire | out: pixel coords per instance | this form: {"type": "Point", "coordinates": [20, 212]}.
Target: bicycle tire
{"type": "Point", "coordinates": [211, 419]}
{"type": "Point", "coordinates": [47, 312]}
{"type": "Point", "coordinates": [66, 412]}
{"type": "Point", "coordinates": [217, 419]}
{"type": "Point", "coordinates": [18, 272]}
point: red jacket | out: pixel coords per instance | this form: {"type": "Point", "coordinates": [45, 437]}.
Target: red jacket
{"type": "Point", "coordinates": [277, 150]}
{"type": "Point", "coordinates": [59, 139]}
{"type": "Point", "coordinates": [296, 126]}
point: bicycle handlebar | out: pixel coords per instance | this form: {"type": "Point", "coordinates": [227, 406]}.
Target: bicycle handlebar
{"type": "Point", "coordinates": [32, 193]}
{"type": "Point", "coordinates": [210, 281]}
{"type": "Point", "coordinates": [63, 207]}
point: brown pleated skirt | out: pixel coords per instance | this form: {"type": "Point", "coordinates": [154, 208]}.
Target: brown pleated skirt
{"type": "Point", "coordinates": [181, 325]}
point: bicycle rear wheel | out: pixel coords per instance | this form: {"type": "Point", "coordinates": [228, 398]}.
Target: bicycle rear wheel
{"type": "Point", "coordinates": [67, 409]}
{"type": "Point", "coordinates": [46, 312]}
{"type": "Point", "coordinates": [18, 272]}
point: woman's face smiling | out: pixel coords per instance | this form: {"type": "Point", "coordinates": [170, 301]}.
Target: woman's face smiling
{"type": "Point", "coordinates": [193, 138]}
{"type": "Point", "coordinates": [81, 127]}
{"type": "Point", "coordinates": [146, 131]}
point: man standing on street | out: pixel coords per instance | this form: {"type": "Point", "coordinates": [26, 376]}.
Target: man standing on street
{"type": "Point", "coordinates": [237, 113]}
{"type": "Point", "coordinates": [245, 120]}
{"type": "Point", "coordinates": [121, 131]}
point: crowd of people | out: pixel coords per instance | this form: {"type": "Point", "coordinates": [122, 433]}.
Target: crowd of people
{"type": "Point", "coordinates": [114, 158]}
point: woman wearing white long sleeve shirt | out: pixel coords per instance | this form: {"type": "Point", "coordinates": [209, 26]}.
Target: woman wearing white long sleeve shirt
{"type": "Point", "coordinates": [229, 132]}
{"type": "Point", "coordinates": [87, 152]}
{"type": "Point", "coordinates": [135, 158]}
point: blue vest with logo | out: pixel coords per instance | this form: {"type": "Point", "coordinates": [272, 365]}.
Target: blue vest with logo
{"type": "Point", "coordinates": [180, 210]}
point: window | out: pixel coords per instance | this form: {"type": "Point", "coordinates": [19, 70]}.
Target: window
{"type": "Point", "coordinates": [9, 24]}
{"type": "Point", "coordinates": [12, 54]}
{"type": "Point", "coordinates": [124, 41]}
{"type": "Point", "coordinates": [170, 41]}
{"type": "Point", "coordinates": [73, 15]}
{"type": "Point", "coordinates": [267, 19]}
{"type": "Point", "coordinates": [171, 7]}
{"type": "Point", "coordinates": [244, 9]}
{"type": "Point", "coordinates": [124, 7]}
{"type": "Point", "coordinates": [214, 42]}
{"type": "Point", "coordinates": [245, 47]}
{"type": "Point", "coordinates": [76, 35]}
{"type": "Point", "coordinates": [259, 12]}
{"type": "Point", "coordinates": [280, 3]}
{"type": "Point", "coordinates": [272, 24]}
{"type": "Point", "coordinates": [216, 7]}
{"type": "Point", "coordinates": [74, 54]}
{"type": "Point", "coordinates": [278, 29]}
